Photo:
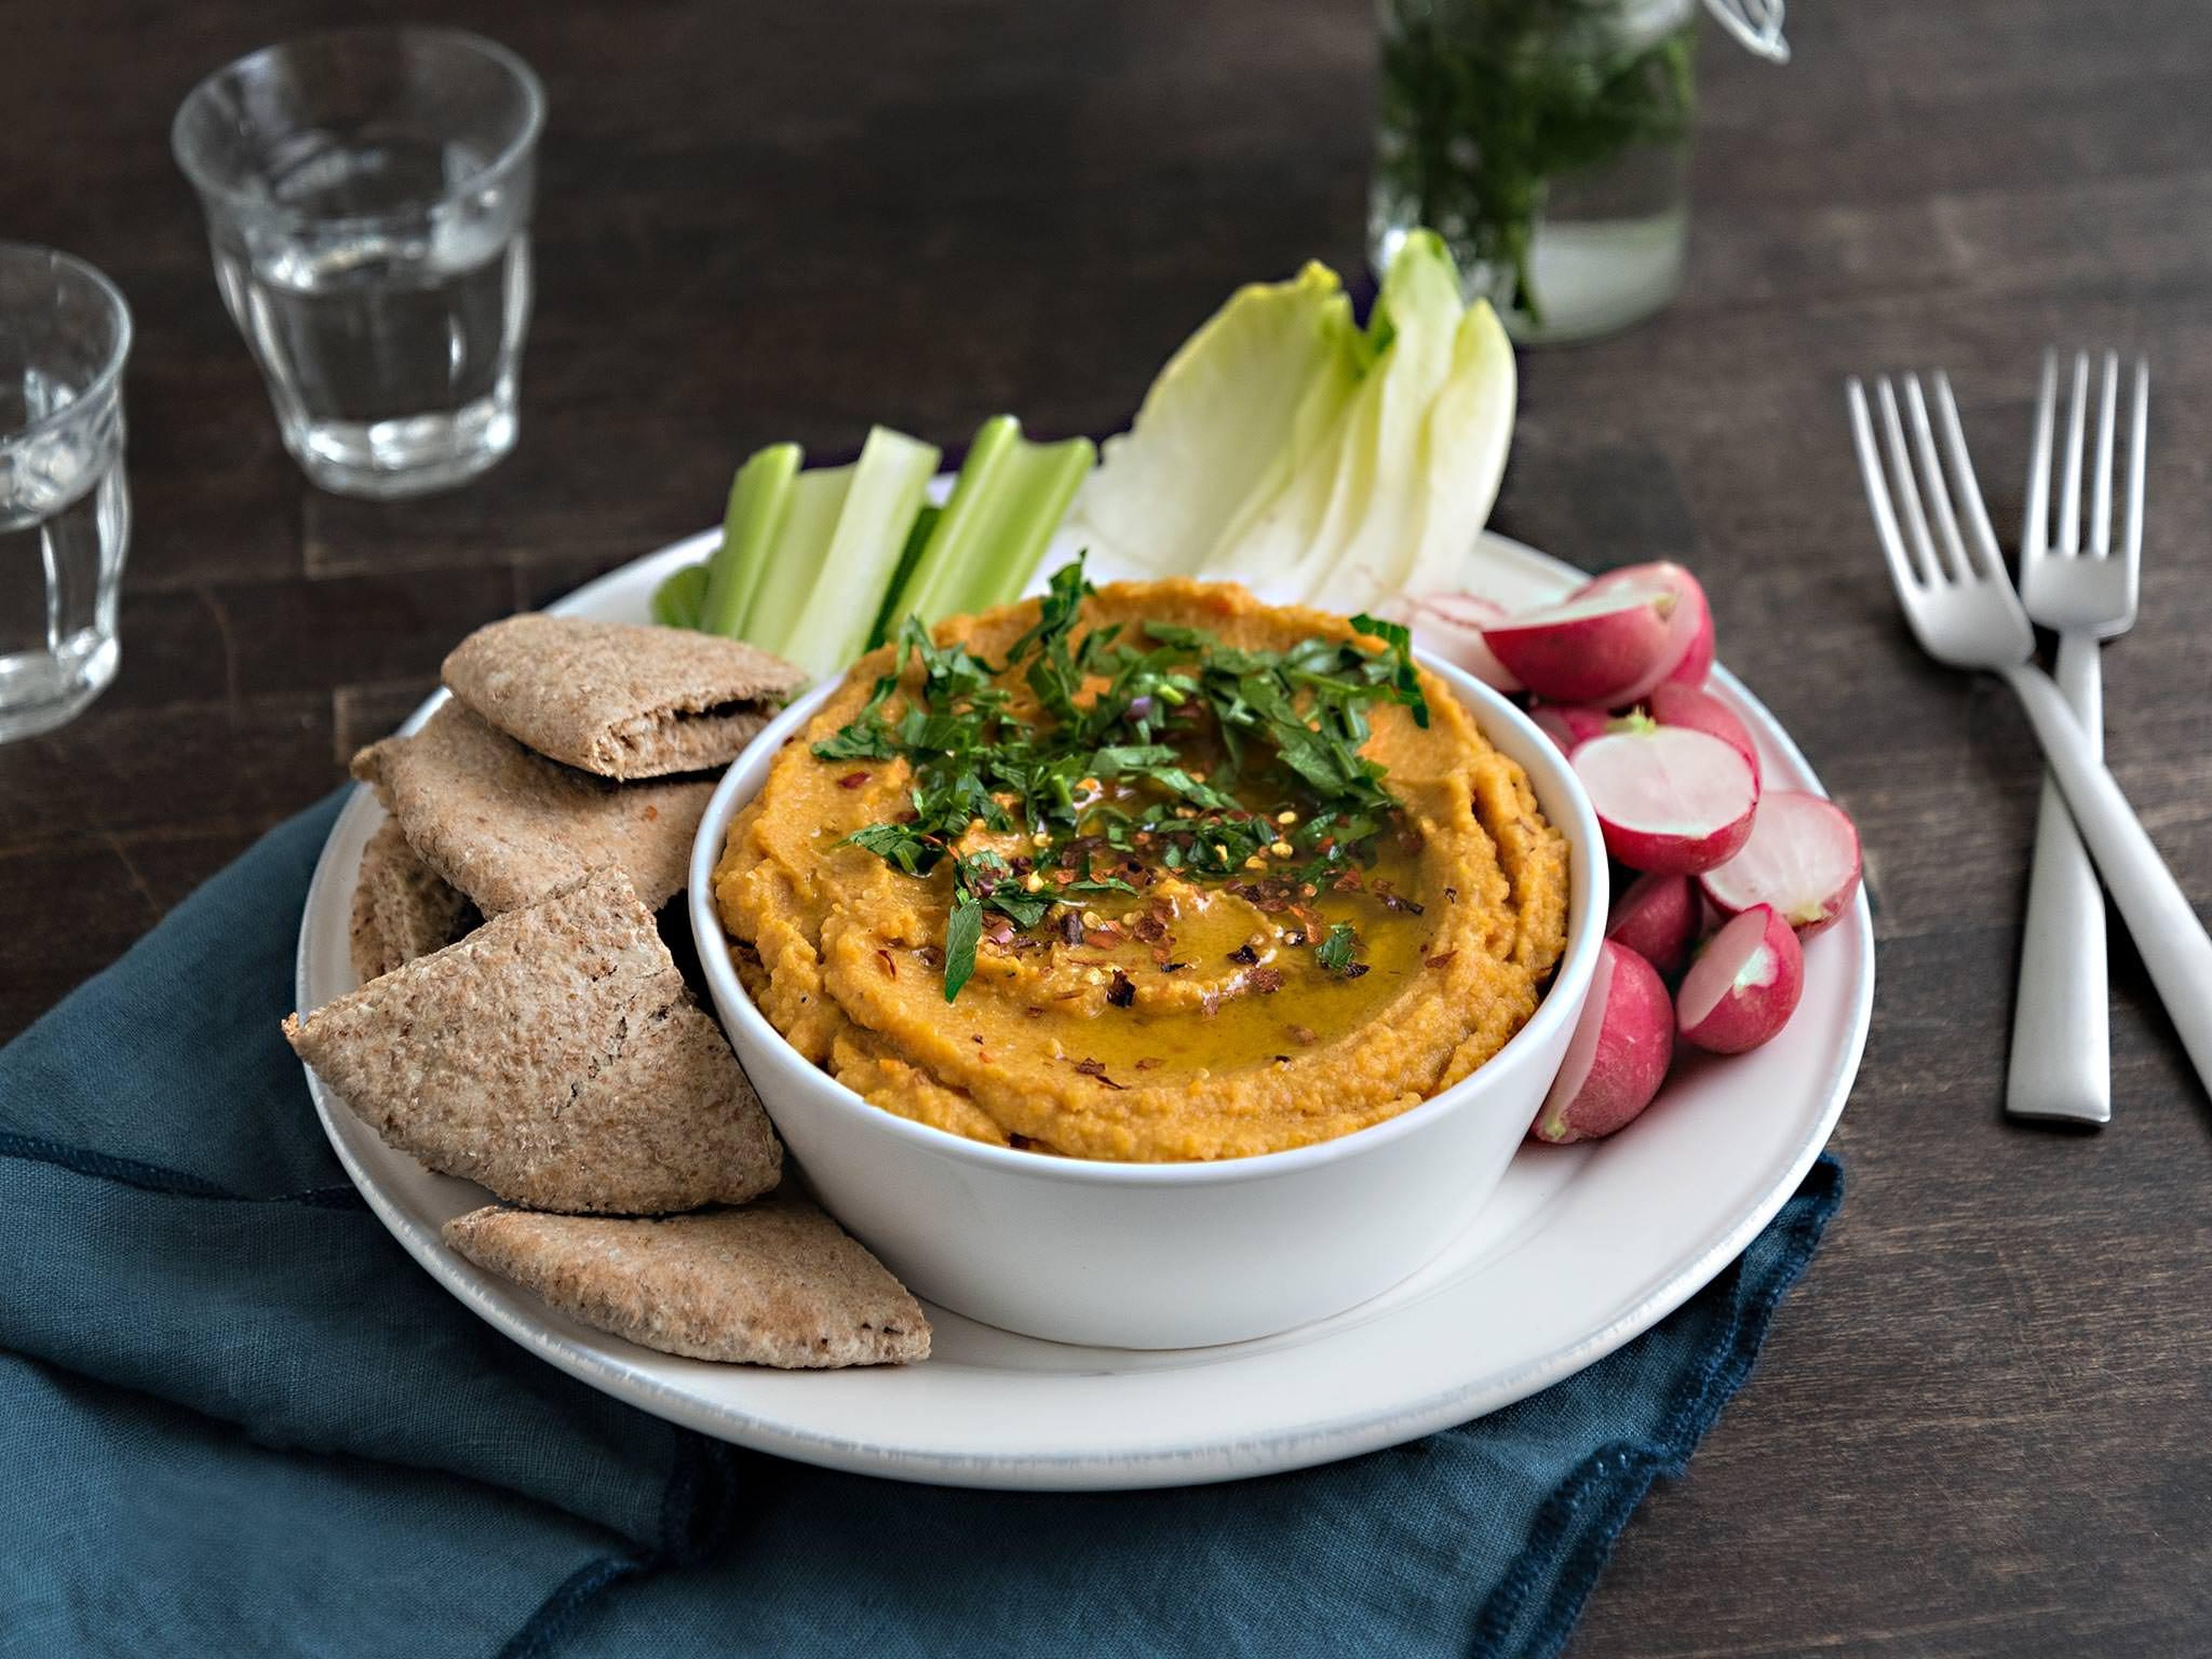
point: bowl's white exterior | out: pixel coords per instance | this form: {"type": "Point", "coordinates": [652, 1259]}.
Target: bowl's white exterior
{"type": "Point", "coordinates": [1163, 1256]}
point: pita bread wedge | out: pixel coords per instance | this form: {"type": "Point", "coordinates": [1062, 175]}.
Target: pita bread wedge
{"type": "Point", "coordinates": [554, 1055]}
{"type": "Point", "coordinates": [777, 1283]}
{"type": "Point", "coordinates": [620, 700]}
{"type": "Point", "coordinates": [402, 907]}
{"type": "Point", "coordinates": [507, 827]}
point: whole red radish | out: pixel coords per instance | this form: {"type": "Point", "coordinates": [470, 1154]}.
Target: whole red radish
{"type": "Point", "coordinates": [1618, 1056]}
{"type": "Point", "coordinates": [1671, 702]}
{"type": "Point", "coordinates": [1592, 647]}
{"type": "Point", "coordinates": [1744, 985]}
{"type": "Point", "coordinates": [1688, 657]}
{"type": "Point", "coordinates": [1669, 799]}
{"type": "Point", "coordinates": [1802, 858]}
{"type": "Point", "coordinates": [1570, 725]}
{"type": "Point", "coordinates": [1450, 625]}
{"type": "Point", "coordinates": [1658, 918]}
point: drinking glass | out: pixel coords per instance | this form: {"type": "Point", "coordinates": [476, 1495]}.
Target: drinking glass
{"type": "Point", "coordinates": [65, 509]}
{"type": "Point", "coordinates": [367, 194]}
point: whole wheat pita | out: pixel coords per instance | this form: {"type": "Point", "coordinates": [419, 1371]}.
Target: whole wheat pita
{"type": "Point", "coordinates": [777, 1283]}
{"type": "Point", "coordinates": [556, 1056]}
{"type": "Point", "coordinates": [507, 826]}
{"type": "Point", "coordinates": [622, 701]}
{"type": "Point", "coordinates": [402, 907]}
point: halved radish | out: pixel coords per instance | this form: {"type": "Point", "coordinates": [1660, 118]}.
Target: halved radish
{"type": "Point", "coordinates": [1658, 918]}
{"type": "Point", "coordinates": [1618, 1056]}
{"type": "Point", "coordinates": [1688, 654]}
{"type": "Point", "coordinates": [1671, 702]}
{"type": "Point", "coordinates": [1669, 799]}
{"type": "Point", "coordinates": [1744, 985]}
{"type": "Point", "coordinates": [1570, 725]}
{"type": "Point", "coordinates": [1450, 625]}
{"type": "Point", "coordinates": [1591, 648]}
{"type": "Point", "coordinates": [1802, 858]}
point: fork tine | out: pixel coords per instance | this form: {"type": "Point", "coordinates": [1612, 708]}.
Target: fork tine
{"type": "Point", "coordinates": [2069, 487]}
{"type": "Point", "coordinates": [1989, 558]}
{"type": "Point", "coordinates": [1907, 490]}
{"type": "Point", "coordinates": [1933, 484]}
{"type": "Point", "coordinates": [2100, 516]}
{"type": "Point", "coordinates": [1901, 571]}
{"type": "Point", "coordinates": [2035, 532]}
{"type": "Point", "coordinates": [2138, 430]}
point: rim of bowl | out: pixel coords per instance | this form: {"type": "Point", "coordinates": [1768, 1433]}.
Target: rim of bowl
{"type": "Point", "coordinates": [1561, 1000]}
{"type": "Point", "coordinates": [111, 371]}
{"type": "Point", "coordinates": [247, 205]}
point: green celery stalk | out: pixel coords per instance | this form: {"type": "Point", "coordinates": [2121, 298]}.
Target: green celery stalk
{"type": "Point", "coordinates": [794, 559]}
{"type": "Point", "coordinates": [676, 602]}
{"type": "Point", "coordinates": [925, 525]}
{"type": "Point", "coordinates": [760, 498]}
{"type": "Point", "coordinates": [1010, 496]}
{"type": "Point", "coordinates": [839, 586]}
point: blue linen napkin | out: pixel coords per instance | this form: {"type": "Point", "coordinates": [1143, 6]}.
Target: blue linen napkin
{"type": "Point", "coordinates": [235, 1418]}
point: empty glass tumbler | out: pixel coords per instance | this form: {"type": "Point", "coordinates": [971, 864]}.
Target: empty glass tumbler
{"type": "Point", "coordinates": [65, 509]}
{"type": "Point", "coordinates": [367, 194]}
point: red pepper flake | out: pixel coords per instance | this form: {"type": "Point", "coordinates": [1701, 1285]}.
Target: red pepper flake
{"type": "Point", "coordinates": [1305, 1036]}
{"type": "Point", "coordinates": [1451, 896]}
{"type": "Point", "coordinates": [1148, 1062]}
{"type": "Point", "coordinates": [1173, 967]}
{"type": "Point", "coordinates": [853, 780]}
{"type": "Point", "coordinates": [1244, 953]}
{"type": "Point", "coordinates": [1071, 926]}
{"type": "Point", "coordinates": [1121, 992]}
{"type": "Point", "coordinates": [933, 956]}
{"type": "Point", "coordinates": [890, 968]}
{"type": "Point", "coordinates": [1096, 1068]}
{"type": "Point", "coordinates": [1352, 970]}
{"type": "Point", "coordinates": [1032, 1013]}
{"type": "Point", "coordinates": [1105, 939]}
{"type": "Point", "coordinates": [1441, 959]}
{"type": "Point", "coordinates": [1264, 980]}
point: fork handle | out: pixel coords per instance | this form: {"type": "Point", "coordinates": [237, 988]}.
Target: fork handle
{"type": "Point", "coordinates": [2062, 1064]}
{"type": "Point", "coordinates": [2170, 938]}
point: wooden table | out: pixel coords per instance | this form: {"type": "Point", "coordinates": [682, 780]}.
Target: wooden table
{"type": "Point", "coordinates": [1980, 1428]}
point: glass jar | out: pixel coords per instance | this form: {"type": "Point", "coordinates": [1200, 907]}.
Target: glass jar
{"type": "Point", "coordinates": [1547, 142]}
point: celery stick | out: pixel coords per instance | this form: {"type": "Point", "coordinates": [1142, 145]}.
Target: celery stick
{"type": "Point", "coordinates": [676, 601]}
{"type": "Point", "coordinates": [1010, 497]}
{"type": "Point", "coordinates": [851, 573]}
{"type": "Point", "coordinates": [760, 496]}
{"type": "Point", "coordinates": [925, 524]}
{"type": "Point", "coordinates": [794, 559]}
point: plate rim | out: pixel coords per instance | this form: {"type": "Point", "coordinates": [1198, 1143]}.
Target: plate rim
{"type": "Point", "coordinates": [1220, 1458]}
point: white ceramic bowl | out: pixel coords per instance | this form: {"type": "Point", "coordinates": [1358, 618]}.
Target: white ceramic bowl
{"type": "Point", "coordinates": [1163, 1256]}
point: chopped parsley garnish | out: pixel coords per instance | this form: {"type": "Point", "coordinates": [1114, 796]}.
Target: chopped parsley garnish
{"type": "Point", "coordinates": [1100, 786]}
{"type": "Point", "coordinates": [1334, 952]}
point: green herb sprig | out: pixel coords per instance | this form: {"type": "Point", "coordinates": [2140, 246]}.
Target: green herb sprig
{"type": "Point", "coordinates": [1289, 724]}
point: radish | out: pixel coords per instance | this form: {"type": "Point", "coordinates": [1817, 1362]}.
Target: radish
{"type": "Point", "coordinates": [1669, 799]}
{"type": "Point", "coordinates": [1671, 702]}
{"type": "Point", "coordinates": [1744, 986]}
{"type": "Point", "coordinates": [1618, 1056]}
{"type": "Point", "coordinates": [1570, 725]}
{"type": "Point", "coordinates": [1688, 654]}
{"type": "Point", "coordinates": [1802, 859]}
{"type": "Point", "coordinates": [1658, 918]}
{"type": "Point", "coordinates": [1450, 625]}
{"type": "Point", "coordinates": [1591, 648]}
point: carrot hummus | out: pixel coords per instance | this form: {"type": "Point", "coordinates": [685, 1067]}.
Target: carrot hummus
{"type": "Point", "coordinates": [1152, 872]}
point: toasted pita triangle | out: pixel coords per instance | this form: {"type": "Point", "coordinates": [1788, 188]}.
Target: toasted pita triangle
{"type": "Point", "coordinates": [621, 700]}
{"type": "Point", "coordinates": [555, 1056]}
{"type": "Point", "coordinates": [777, 1283]}
{"type": "Point", "coordinates": [402, 907]}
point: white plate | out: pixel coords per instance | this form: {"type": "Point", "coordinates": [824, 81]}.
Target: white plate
{"type": "Point", "coordinates": [1581, 1248]}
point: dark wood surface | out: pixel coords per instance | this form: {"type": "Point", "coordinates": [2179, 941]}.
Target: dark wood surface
{"type": "Point", "coordinates": [1980, 1428]}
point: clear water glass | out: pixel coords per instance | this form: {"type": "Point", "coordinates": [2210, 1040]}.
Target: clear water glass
{"type": "Point", "coordinates": [367, 194]}
{"type": "Point", "coordinates": [64, 509]}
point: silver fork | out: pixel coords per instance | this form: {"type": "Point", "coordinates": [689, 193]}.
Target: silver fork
{"type": "Point", "coordinates": [2061, 1052]}
{"type": "Point", "coordinates": [1963, 612]}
